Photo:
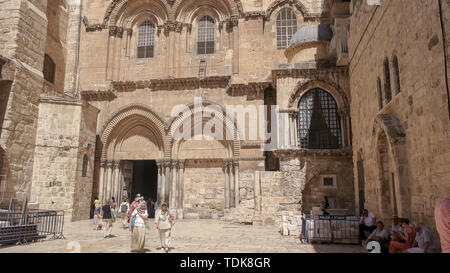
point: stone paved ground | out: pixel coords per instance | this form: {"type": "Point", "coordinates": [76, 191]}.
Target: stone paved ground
{"type": "Point", "coordinates": [189, 236]}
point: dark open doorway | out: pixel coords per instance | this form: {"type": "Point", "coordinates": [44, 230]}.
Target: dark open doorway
{"type": "Point", "coordinates": [145, 179]}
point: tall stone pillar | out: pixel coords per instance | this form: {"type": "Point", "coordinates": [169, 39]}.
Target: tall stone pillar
{"type": "Point", "coordinates": [236, 184]}
{"type": "Point", "coordinates": [109, 178]}
{"type": "Point", "coordinates": [173, 184]}
{"type": "Point", "coordinates": [234, 25]}
{"type": "Point", "coordinates": [101, 182]}
{"type": "Point", "coordinates": [226, 169]}
{"type": "Point", "coordinates": [159, 196]}
{"type": "Point", "coordinates": [295, 123]}
{"type": "Point", "coordinates": [167, 181]}
{"type": "Point", "coordinates": [117, 181]}
{"type": "Point", "coordinates": [180, 188]}
{"type": "Point", "coordinates": [231, 183]}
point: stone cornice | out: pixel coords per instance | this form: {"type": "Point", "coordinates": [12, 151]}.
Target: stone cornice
{"type": "Point", "coordinates": [173, 84]}
{"type": "Point", "coordinates": [98, 95]}
{"type": "Point", "coordinates": [59, 100]}
{"type": "Point", "coordinates": [303, 70]}
{"type": "Point", "coordinates": [297, 152]}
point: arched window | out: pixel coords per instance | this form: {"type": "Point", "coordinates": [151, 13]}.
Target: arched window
{"type": "Point", "coordinates": [387, 81]}
{"type": "Point", "coordinates": [146, 40]}
{"type": "Point", "coordinates": [319, 124]}
{"type": "Point", "coordinates": [206, 35]}
{"type": "Point", "coordinates": [396, 75]}
{"type": "Point", "coordinates": [286, 27]}
{"type": "Point", "coordinates": [380, 94]}
{"type": "Point", "coordinates": [84, 169]}
{"type": "Point", "coordinates": [49, 69]}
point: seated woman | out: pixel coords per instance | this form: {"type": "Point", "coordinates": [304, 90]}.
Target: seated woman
{"type": "Point", "coordinates": [405, 240]}
{"type": "Point", "coordinates": [381, 235]}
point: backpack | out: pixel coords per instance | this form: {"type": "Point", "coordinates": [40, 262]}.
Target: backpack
{"type": "Point", "coordinates": [123, 207]}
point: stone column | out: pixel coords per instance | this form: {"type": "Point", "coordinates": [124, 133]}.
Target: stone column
{"type": "Point", "coordinates": [180, 188]}
{"type": "Point", "coordinates": [236, 184]}
{"type": "Point", "coordinates": [173, 184]}
{"type": "Point", "coordinates": [234, 24]}
{"type": "Point", "coordinates": [101, 182]}
{"type": "Point", "coordinates": [226, 169]}
{"type": "Point", "coordinates": [231, 183]}
{"type": "Point", "coordinates": [295, 115]}
{"type": "Point", "coordinates": [109, 179]}
{"type": "Point", "coordinates": [160, 184]}
{"type": "Point", "coordinates": [167, 181]}
{"type": "Point", "coordinates": [117, 181]}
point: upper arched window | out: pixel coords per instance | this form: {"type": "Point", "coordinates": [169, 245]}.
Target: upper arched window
{"type": "Point", "coordinates": [387, 81]}
{"type": "Point", "coordinates": [396, 75]}
{"type": "Point", "coordinates": [146, 40]}
{"type": "Point", "coordinates": [286, 27]}
{"type": "Point", "coordinates": [380, 94]}
{"type": "Point", "coordinates": [84, 169]}
{"type": "Point", "coordinates": [49, 69]}
{"type": "Point", "coordinates": [206, 35]}
{"type": "Point", "coordinates": [319, 124]}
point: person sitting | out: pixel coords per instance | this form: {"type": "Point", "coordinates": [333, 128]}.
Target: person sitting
{"type": "Point", "coordinates": [325, 205]}
{"type": "Point", "coordinates": [423, 242]}
{"type": "Point", "coordinates": [380, 235]}
{"type": "Point", "coordinates": [396, 229]}
{"type": "Point", "coordinates": [405, 240]}
{"type": "Point", "coordinates": [367, 224]}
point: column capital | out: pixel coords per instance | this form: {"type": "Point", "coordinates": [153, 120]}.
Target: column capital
{"type": "Point", "coordinates": [181, 164]}
{"type": "Point", "coordinates": [102, 163]}
{"type": "Point", "coordinates": [109, 163]}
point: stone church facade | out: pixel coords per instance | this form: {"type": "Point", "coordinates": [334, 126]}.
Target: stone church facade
{"type": "Point", "coordinates": [88, 89]}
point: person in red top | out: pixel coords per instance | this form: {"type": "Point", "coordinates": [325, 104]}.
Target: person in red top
{"type": "Point", "coordinates": [407, 238]}
{"type": "Point", "coordinates": [134, 205]}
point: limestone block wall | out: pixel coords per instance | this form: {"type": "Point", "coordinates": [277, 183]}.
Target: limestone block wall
{"type": "Point", "coordinates": [82, 202]}
{"type": "Point", "coordinates": [203, 189]}
{"type": "Point", "coordinates": [23, 28]}
{"type": "Point", "coordinates": [412, 31]}
{"type": "Point", "coordinates": [65, 128]}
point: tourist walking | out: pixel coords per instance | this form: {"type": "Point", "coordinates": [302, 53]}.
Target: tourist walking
{"type": "Point", "coordinates": [113, 208]}
{"type": "Point", "coordinates": [123, 214]}
{"type": "Point", "coordinates": [96, 212]}
{"type": "Point", "coordinates": [164, 223]}
{"type": "Point", "coordinates": [137, 227]}
{"type": "Point", "coordinates": [107, 219]}
{"type": "Point", "coordinates": [442, 218]}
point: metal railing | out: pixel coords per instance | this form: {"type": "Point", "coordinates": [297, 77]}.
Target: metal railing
{"type": "Point", "coordinates": [23, 227]}
{"type": "Point", "coordinates": [330, 229]}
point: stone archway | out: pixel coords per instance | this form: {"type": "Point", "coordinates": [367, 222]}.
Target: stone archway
{"type": "Point", "coordinates": [393, 190]}
{"type": "Point", "coordinates": [134, 132]}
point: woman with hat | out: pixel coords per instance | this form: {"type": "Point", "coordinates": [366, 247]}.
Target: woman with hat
{"type": "Point", "coordinates": [164, 223]}
{"type": "Point", "coordinates": [137, 227]}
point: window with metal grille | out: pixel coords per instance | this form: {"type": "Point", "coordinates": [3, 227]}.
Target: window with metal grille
{"type": "Point", "coordinates": [206, 35]}
{"type": "Point", "coordinates": [146, 40]}
{"type": "Point", "coordinates": [319, 124]}
{"type": "Point", "coordinates": [286, 27]}
{"type": "Point", "coordinates": [49, 69]}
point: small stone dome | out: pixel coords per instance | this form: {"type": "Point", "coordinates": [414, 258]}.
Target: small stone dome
{"type": "Point", "coordinates": [312, 33]}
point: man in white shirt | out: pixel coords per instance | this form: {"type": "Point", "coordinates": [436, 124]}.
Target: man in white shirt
{"type": "Point", "coordinates": [423, 242]}
{"type": "Point", "coordinates": [367, 223]}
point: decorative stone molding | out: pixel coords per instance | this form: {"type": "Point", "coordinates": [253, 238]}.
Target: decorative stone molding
{"type": "Point", "coordinates": [100, 95]}
{"type": "Point", "coordinates": [391, 126]}
{"type": "Point", "coordinates": [296, 3]}
{"type": "Point", "coordinates": [297, 152]}
{"type": "Point", "coordinates": [256, 88]}
{"type": "Point", "coordinates": [173, 84]}
{"type": "Point", "coordinates": [7, 69]}
{"type": "Point", "coordinates": [93, 27]}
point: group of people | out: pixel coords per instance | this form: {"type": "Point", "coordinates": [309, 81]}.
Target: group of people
{"type": "Point", "coordinates": [402, 237]}
{"type": "Point", "coordinates": [134, 216]}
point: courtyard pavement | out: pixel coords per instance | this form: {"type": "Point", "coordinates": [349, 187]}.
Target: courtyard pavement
{"type": "Point", "coordinates": [188, 236]}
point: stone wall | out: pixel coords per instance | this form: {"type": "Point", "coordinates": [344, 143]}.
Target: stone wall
{"type": "Point", "coordinates": [203, 189]}
{"type": "Point", "coordinates": [412, 129]}
{"type": "Point", "coordinates": [65, 128]}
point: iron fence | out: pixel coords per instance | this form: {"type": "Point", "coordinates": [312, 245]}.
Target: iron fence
{"type": "Point", "coordinates": [29, 225]}
{"type": "Point", "coordinates": [330, 229]}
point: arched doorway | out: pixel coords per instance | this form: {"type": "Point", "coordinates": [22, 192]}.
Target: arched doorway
{"type": "Point", "coordinates": [133, 141]}
{"type": "Point", "coordinates": [386, 167]}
